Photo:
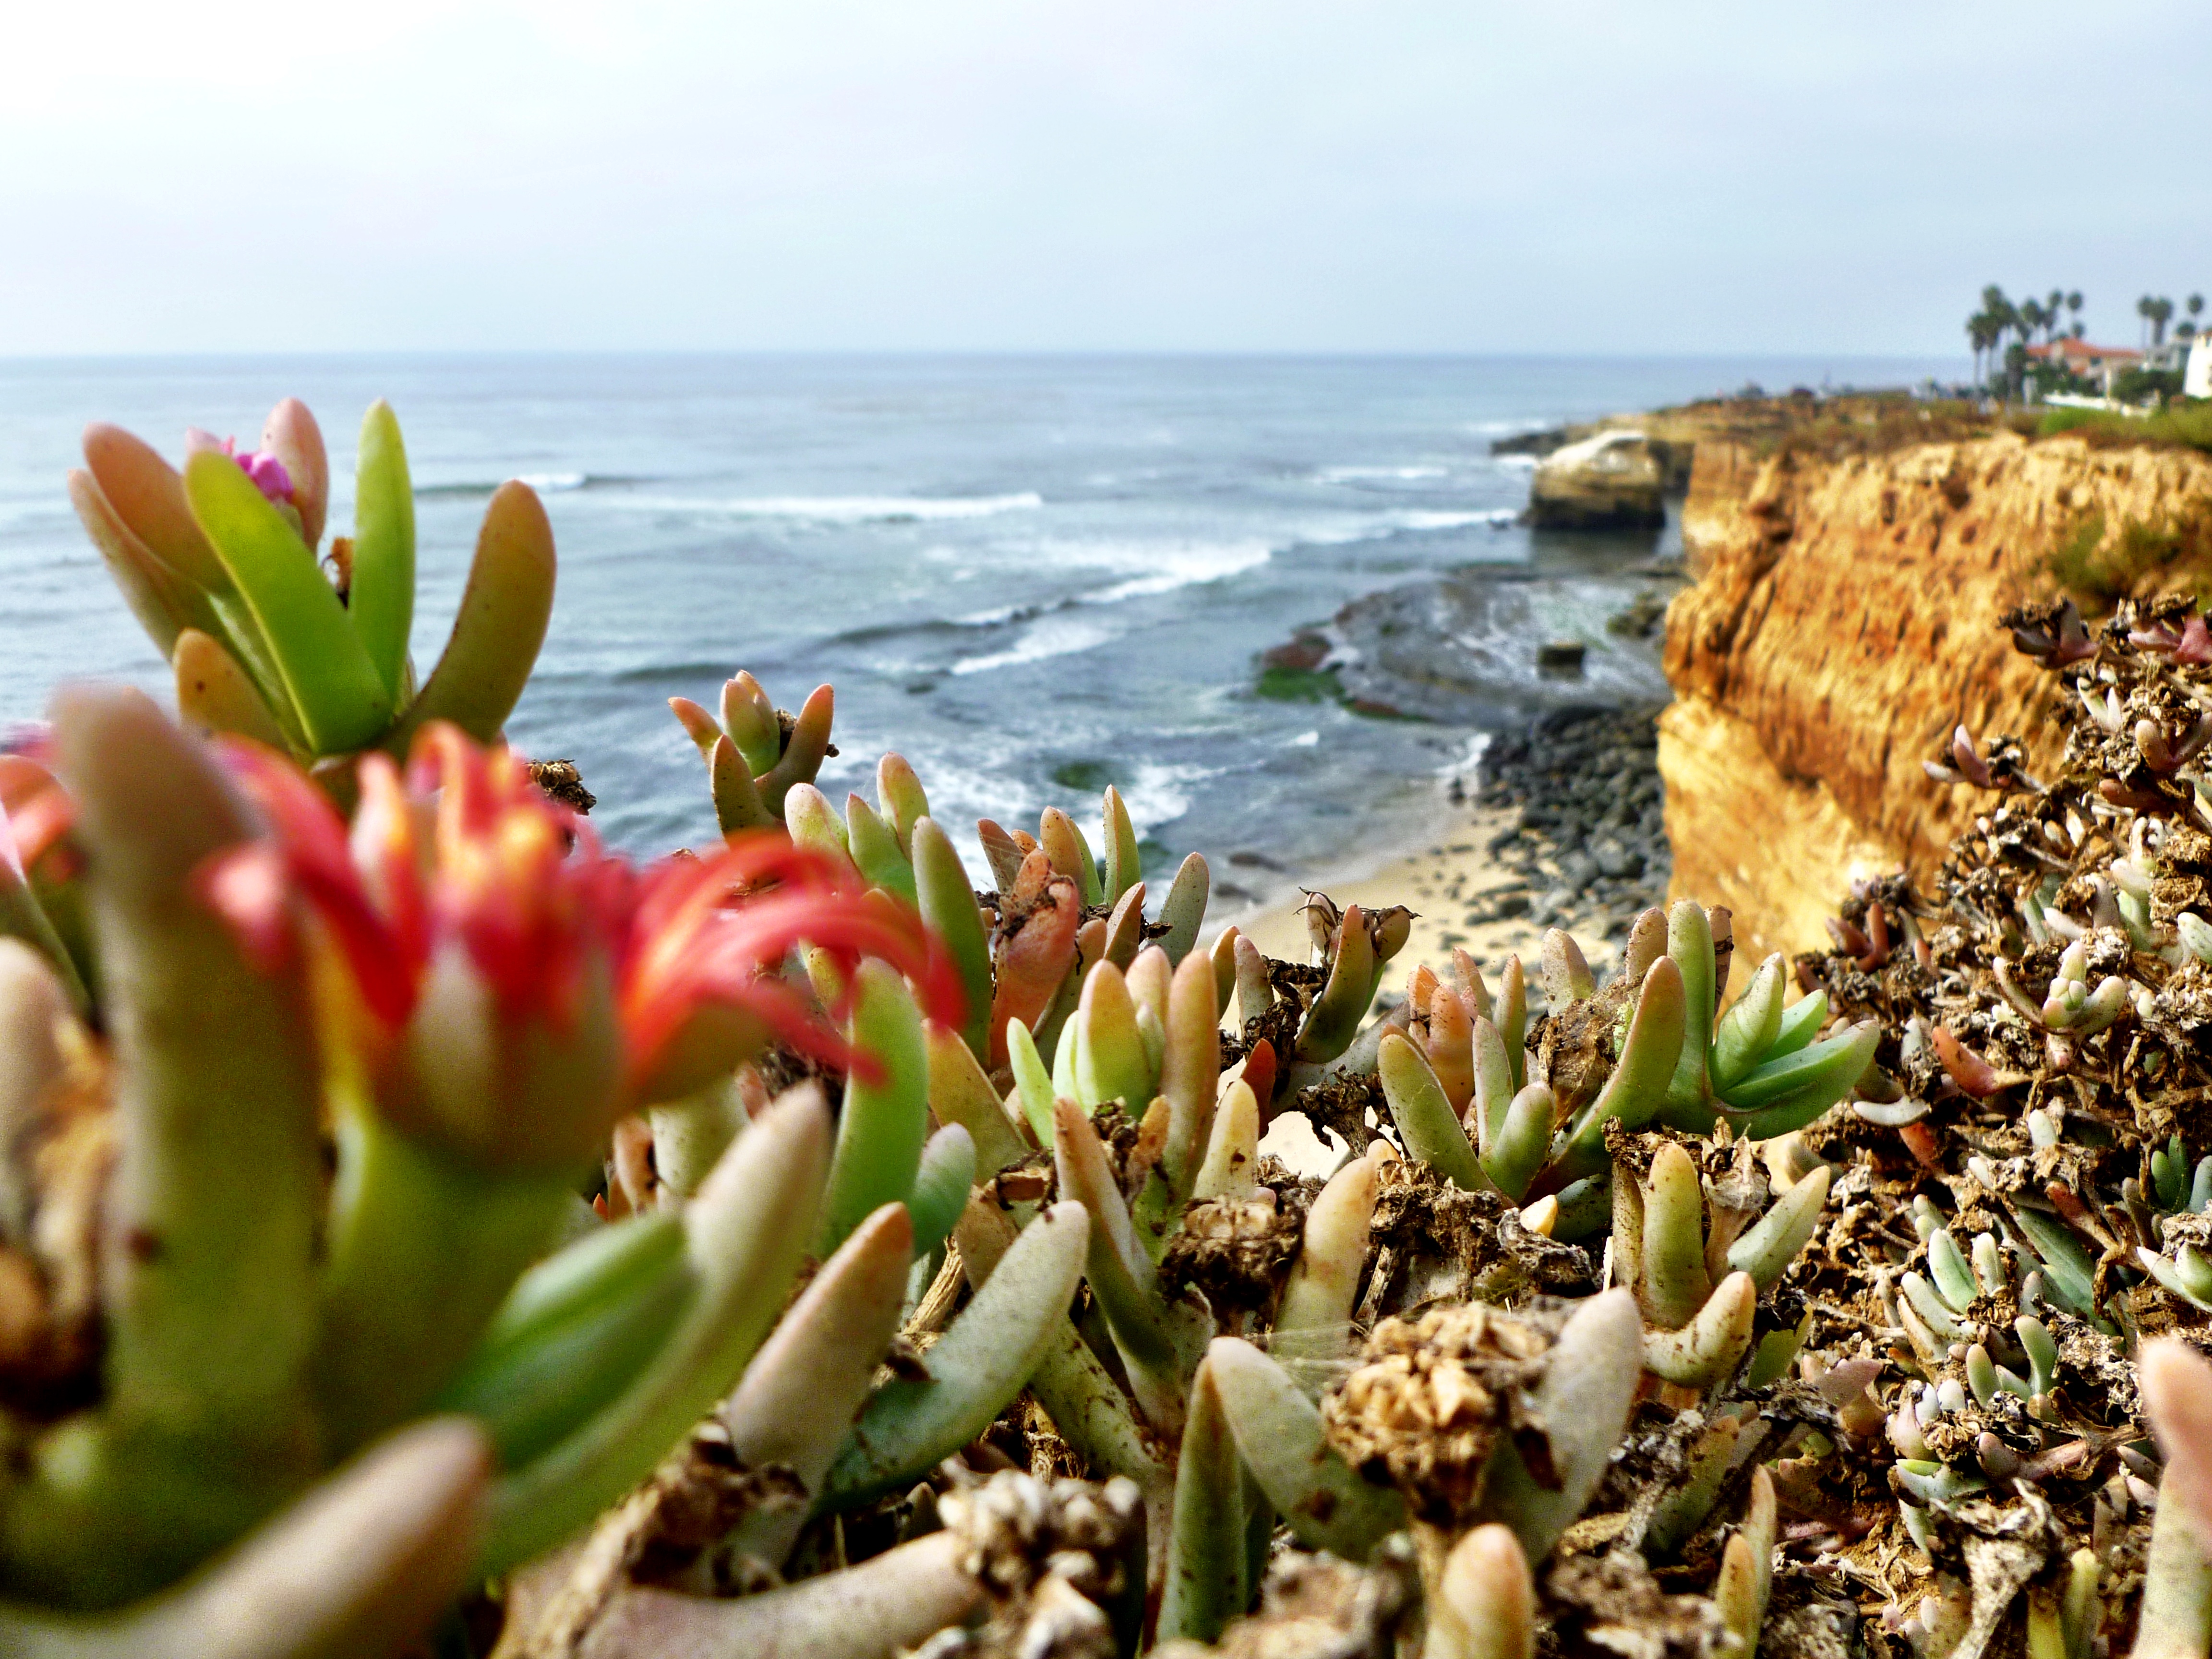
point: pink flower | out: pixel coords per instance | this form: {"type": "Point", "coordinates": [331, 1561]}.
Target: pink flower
{"type": "Point", "coordinates": [271, 475]}
{"type": "Point", "coordinates": [510, 987]}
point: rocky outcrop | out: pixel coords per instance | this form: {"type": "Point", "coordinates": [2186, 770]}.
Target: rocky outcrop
{"type": "Point", "coordinates": [1608, 482]}
{"type": "Point", "coordinates": [1672, 434]}
{"type": "Point", "coordinates": [1844, 619]}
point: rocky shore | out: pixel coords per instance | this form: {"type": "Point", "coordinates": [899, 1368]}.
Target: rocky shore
{"type": "Point", "coordinates": [1588, 837]}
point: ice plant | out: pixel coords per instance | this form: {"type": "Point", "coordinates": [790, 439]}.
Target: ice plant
{"type": "Point", "coordinates": [222, 563]}
{"type": "Point", "coordinates": [515, 996]}
{"type": "Point", "coordinates": [757, 754]}
{"type": "Point", "coordinates": [266, 972]}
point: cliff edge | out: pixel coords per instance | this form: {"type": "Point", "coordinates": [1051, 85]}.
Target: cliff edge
{"type": "Point", "coordinates": [1845, 618]}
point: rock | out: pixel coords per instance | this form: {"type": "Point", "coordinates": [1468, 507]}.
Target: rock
{"type": "Point", "coordinates": [1620, 862]}
{"type": "Point", "coordinates": [1303, 653]}
{"type": "Point", "coordinates": [1846, 620]}
{"type": "Point", "coordinates": [1641, 618]}
{"type": "Point", "coordinates": [1563, 657]}
{"type": "Point", "coordinates": [1610, 482]}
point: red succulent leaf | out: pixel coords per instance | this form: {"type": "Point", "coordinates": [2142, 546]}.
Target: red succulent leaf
{"type": "Point", "coordinates": [1968, 1069]}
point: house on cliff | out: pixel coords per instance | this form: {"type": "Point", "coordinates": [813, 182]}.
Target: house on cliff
{"type": "Point", "coordinates": [2100, 363]}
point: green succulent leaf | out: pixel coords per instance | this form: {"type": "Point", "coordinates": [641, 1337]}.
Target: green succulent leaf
{"type": "Point", "coordinates": [498, 630]}
{"type": "Point", "coordinates": [744, 1236]}
{"type": "Point", "coordinates": [382, 598]}
{"type": "Point", "coordinates": [1801, 1022]}
{"type": "Point", "coordinates": [1206, 1586]}
{"type": "Point", "coordinates": [947, 902]}
{"type": "Point", "coordinates": [1748, 1031]}
{"type": "Point", "coordinates": [875, 848]}
{"type": "Point", "coordinates": [1431, 1130]}
{"type": "Point", "coordinates": [1124, 868]}
{"type": "Point", "coordinates": [796, 1405]}
{"type": "Point", "coordinates": [881, 1127]}
{"type": "Point", "coordinates": [1782, 1095]}
{"type": "Point", "coordinates": [941, 1187]}
{"type": "Point", "coordinates": [975, 1368]}
{"type": "Point", "coordinates": [576, 1331]}
{"type": "Point", "coordinates": [343, 702]}
{"type": "Point", "coordinates": [1278, 1433]}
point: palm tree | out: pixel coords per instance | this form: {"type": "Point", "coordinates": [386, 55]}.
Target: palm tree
{"type": "Point", "coordinates": [2161, 311]}
{"type": "Point", "coordinates": [1985, 331]}
{"type": "Point", "coordinates": [2051, 306]}
{"type": "Point", "coordinates": [2143, 310]}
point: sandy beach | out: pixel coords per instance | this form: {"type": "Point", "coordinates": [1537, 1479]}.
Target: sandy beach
{"type": "Point", "coordinates": [1438, 881]}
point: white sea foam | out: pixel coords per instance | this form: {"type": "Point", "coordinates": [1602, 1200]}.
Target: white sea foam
{"type": "Point", "coordinates": [1052, 636]}
{"type": "Point", "coordinates": [1149, 567]}
{"type": "Point", "coordinates": [1160, 793]}
{"type": "Point", "coordinates": [550, 482]}
{"type": "Point", "coordinates": [1359, 474]}
{"type": "Point", "coordinates": [1415, 519]}
{"type": "Point", "coordinates": [1185, 565]}
{"type": "Point", "coordinates": [839, 509]}
{"type": "Point", "coordinates": [1372, 526]}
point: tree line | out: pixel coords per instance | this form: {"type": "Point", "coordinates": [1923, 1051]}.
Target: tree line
{"type": "Point", "coordinates": [2024, 322]}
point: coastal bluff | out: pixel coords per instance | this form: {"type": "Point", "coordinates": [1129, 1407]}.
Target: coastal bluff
{"type": "Point", "coordinates": [1844, 619]}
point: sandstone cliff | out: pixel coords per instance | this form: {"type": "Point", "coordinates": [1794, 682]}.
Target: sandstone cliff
{"type": "Point", "coordinates": [1844, 619]}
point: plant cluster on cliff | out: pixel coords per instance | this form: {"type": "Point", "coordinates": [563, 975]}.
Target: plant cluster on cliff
{"type": "Point", "coordinates": [412, 1216]}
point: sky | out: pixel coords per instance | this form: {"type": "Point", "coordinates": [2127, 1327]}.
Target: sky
{"type": "Point", "coordinates": [1188, 175]}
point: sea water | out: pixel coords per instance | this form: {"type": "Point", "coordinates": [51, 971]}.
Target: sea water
{"type": "Point", "coordinates": [1031, 576]}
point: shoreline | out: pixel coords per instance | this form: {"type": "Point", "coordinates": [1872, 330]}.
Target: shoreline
{"type": "Point", "coordinates": [1561, 824]}
{"type": "Point", "coordinates": [1433, 878]}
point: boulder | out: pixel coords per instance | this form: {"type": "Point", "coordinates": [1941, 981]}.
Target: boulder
{"type": "Point", "coordinates": [1609, 481]}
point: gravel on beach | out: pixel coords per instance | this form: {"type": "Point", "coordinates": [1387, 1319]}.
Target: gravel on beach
{"type": "Point", "coordinates": [1587, 843]}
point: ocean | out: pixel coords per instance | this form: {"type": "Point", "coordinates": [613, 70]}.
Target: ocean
{"type": "Point", "coordinates": [1029, 576]}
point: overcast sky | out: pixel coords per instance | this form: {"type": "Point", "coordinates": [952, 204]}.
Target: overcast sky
{"type": "Point", "coordinates": [1250, 174]}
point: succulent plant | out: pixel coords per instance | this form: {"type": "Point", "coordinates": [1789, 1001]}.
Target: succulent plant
{"type": "Point", "coordinates": [1698, 1254]}
{"type": "Point", "coordinates": [303, 1088]}
{"type": "Point", "coordinates": [472, 1003]}
{"type": "Point", "coordinates": [221, 565]}
{"type": "Point", "coordinates": [757, 754]}
{"type": "Point", "coordinates": [1465, 1098]}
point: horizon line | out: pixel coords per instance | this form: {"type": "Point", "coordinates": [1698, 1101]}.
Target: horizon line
{"type": "Point", "coordinates": [1427, 354]}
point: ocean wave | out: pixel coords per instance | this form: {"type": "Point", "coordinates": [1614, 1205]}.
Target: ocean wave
{"type": "Point", "coordinates": [1418, 520]}
{"type": "Point", "coordinates": [1402, 521]}
{"type": "Point", "coordinates": [1052, 636]}
{"type": "Point", "coordinates": [1160, 793]}
{"type": "Point", "coordinates": [1367, 474]}
{"type": "Point", "coordinates": [1000, 616]}
{"type": "Point", "coordinates": [840, 509]}
{"type": "Point", "coordinates": [545, 484]}
{"type": "Point", "coordinates": [1162, 567]}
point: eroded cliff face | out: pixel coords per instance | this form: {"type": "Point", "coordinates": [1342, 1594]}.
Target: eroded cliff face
{"type": "Point", "coordinates": [1845, 618]}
